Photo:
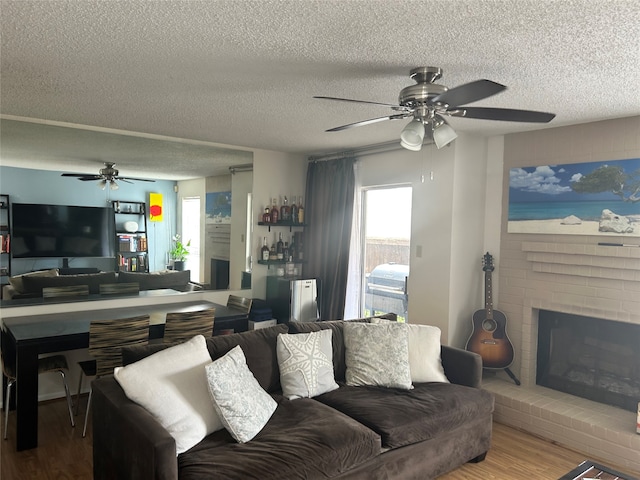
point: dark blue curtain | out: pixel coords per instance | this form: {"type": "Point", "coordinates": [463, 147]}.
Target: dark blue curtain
{"type": "Point", "coordinates": [329, 217]}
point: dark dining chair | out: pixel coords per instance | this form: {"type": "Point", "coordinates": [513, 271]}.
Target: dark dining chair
{"type": "Point", "coordinates": [51, 364]}
{"type": "Point", "coordinates": [240, 303]}
{"type": "Point", "coordinates": [182, 326]}
{"type": "Point", "coordinates": [106, 339]}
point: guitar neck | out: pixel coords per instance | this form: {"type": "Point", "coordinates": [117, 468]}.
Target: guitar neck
{"type": "Point", "coordinates": [488, 295]}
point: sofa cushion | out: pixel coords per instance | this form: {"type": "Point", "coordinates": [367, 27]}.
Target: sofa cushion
{"type": "Point", "coordinates": [303, 439]}
{"type": "Point", "coordinates": [377, 354]}
{"type": "Point", "coordinates": [17, 281]}
{"type": "Point", "coordinates": [174, 279]}
{"type": "Point", "coordinates": [305, 362]}
{"type": "Point", "coordinates": [172, 386]}
{"type": "Point", "coordinates": [337, 341]}
{"type": "Point", "coordinates": [404, 417]}
{"type": "Point", "coordinates": [424, 352]}
{"type": "Point", "coordinates": [93, 280]}
{"type": "Point", "coordinates": [239, 400]}
{"type": "Point", "coordinates": [259, 347]}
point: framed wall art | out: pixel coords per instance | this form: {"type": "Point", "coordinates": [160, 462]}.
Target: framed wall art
{"type": "Point", "coordinates": [595, 198]}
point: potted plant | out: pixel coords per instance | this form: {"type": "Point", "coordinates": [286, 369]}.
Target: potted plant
{"type": "Point", "coordinates": [179, 252]}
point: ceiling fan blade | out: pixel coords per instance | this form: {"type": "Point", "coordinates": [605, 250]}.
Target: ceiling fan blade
{"type": "Point", "coordinates": [508, 115]}
{"type": "Point", "coordinates": [126, 179]}
{"type": "Point", "coordinates": [469, 93]}
{"type": "Point", "coordinates": [369, 122]}
{"type": "Point", "coordinates": [79, 175]}
{"type": "Point", "coordinates": [89, 178]}
{"type": "Point", "coordinates": [397, 107]}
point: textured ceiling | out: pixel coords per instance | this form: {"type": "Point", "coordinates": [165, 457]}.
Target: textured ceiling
{"type": "Point", "coordinates": [244, 72]}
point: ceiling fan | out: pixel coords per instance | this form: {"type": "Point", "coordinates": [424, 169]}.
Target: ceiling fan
{"type": "Point", "coordinates": [107, 175]}
{"type": "Point", "coordinates": [428, 103]}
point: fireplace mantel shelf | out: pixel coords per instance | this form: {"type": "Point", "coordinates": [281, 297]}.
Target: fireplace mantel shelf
{"type": "Point", "coordinates": [584, 260]}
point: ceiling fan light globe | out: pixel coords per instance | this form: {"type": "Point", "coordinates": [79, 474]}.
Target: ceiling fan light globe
{"type": "Point", "coordinates": [113, 185]}
{"type": "Point", "coordinates": [102, 184]}
{"type": "Point", "coordinates": [444, 135]}
{"type": "Point", "coordinates": [412, 147]}
{"type": "Point", "coordinates": [412, 135]}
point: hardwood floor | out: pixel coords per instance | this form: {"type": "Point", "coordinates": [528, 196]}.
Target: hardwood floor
{"type": "Point", "coordinates": [64, 454]}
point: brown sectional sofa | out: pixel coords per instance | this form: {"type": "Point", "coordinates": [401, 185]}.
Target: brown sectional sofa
{"type": "Point", "coordinates": [361, 432]}
{"type": "Point", "coordinates": [31, 285]}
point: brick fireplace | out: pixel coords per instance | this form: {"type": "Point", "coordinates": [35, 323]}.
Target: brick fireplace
{"type": "Point", "coordinates": [575, 277]}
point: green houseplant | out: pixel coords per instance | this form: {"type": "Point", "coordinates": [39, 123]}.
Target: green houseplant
{"type": "Point", "coordinates": [179, 252]}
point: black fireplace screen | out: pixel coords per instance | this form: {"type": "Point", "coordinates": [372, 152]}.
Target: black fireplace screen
{"type": "Point", "coordinates": [590, 358]}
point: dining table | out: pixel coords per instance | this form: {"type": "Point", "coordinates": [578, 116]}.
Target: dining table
{"type": "Point", "coordinates": [42, 333]}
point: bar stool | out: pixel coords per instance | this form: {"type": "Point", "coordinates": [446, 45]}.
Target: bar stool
{"type": "Point", "coordinates": [106, 339]}
{"type": "Point", "coordinates": [52, 364]}
{"type": "Point", "coordinates": [182, 326]}
{"type": "Point", "coordinates": [240, 303]}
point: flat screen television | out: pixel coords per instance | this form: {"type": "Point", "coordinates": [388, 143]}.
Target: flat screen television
{"type": "Point", "coordinates": [62, 231]}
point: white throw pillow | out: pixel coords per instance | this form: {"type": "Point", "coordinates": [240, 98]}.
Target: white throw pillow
{"type": "Point", "coordinates": [306, 364]}
{"type": "Point", "coordinates": [424, 353]}
{"type": "Point", "coordinates": [243, 405]}
{"type": "Point", "coordinates": [172, 386]}
{"type": "Point", "coordinates": [377, 354]}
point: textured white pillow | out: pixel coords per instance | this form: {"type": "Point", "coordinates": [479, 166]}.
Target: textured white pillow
{"type": "Point", "coordinates": [243, 405]}
{"type": "Point", "coordinates": [424, 353]}
{"type": "Point", "coordinates": [377, 354]}
{"type": "Point", "coordinates": [172, 386]}
{"type": "Point", "coordinates": [306, 364]}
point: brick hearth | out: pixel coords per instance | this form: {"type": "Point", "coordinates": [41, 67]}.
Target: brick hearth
{"type": "Point", "coordinates": [575, 278]}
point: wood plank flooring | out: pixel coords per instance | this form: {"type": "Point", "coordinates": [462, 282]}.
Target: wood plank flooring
{"type": "Point", "coordinates": [63, 453]}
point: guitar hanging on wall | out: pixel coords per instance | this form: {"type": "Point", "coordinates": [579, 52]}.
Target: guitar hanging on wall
{"type": "Point", "coordinates": [489, 337]}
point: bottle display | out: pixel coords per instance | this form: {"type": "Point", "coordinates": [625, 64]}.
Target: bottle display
{"type": "Point", "coordinates": [274, 212]}
{"type": "Point", "coordinates": [280, 248]}
{"type": "Point", "coordinates": [264, 251]}
{"type": "Point", "coordinates": [294, 210]}
{"type": "Point", "coordinates": [300, 212]}
{"type": "Point", "coordinates": [285, 211]}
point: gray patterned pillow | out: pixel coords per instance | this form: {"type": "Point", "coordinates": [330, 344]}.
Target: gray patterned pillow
{"type": "Point", "coordinates": [377, 354]}
{"type": "Point", "coordinates": [306, 364]}
{"type": "Point", "coordinates": [242, 404]}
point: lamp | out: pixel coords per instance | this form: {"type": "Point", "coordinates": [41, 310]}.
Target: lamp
{"type": "Point", "coordinates": [112, 184]}
{"type": "Point", "coordinates": [443, 135]}
{"type": "Point", "coordinates": [412, 135]}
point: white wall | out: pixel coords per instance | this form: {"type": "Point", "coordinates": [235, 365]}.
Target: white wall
{"type": "Point", "coordinates": [274, 174]}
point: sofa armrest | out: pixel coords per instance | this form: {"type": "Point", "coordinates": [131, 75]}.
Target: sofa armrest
{"type": "Point", "coordinates": [461, 366]}
{"type": "Point", "coordinates": [128, 443]}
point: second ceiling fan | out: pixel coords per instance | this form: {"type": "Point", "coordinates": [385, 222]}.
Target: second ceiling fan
{"type": "Point", "coordinates": [428, 103]}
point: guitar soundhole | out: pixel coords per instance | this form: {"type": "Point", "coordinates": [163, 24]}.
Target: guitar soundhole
{"type": "Point", "coordinates": [489, 325]}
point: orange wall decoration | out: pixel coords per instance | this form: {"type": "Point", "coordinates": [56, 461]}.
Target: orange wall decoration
{"type": "Point", "coordinates": [155, 207]}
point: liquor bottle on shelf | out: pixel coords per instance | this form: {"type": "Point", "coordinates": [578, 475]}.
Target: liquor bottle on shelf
{"type": "Point", "coordinates": [264, 251]}
{"type": "Point", "coordinates": [274, 212]}
{"type": "Point", "coordinates": [294, 210]}
{"type": "Point", "coordinates": [266, 216]}
{"type": "Point", "coordinates": [285, 211]}
{"type": "Point", "coordinates": [272, 252]}
{"type": "Point", "coordinates": [285, 251]}
{"type": "Point", "coordinates": [280, 248]}
{"type": "Point", "coordinates": [292, 248]}
{"type": "Point", "coordinates": [300, 212]}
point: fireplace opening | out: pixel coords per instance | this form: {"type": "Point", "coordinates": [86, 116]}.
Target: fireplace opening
{"type": "Point", "coordinates": [589, 357]}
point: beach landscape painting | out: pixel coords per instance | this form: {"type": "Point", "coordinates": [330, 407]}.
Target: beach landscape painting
{"type": "Point", "coordinates": [595, 198]}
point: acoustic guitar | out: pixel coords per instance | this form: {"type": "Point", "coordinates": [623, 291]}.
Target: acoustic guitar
{"type": "Point", "coordinates": [489, 337]}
